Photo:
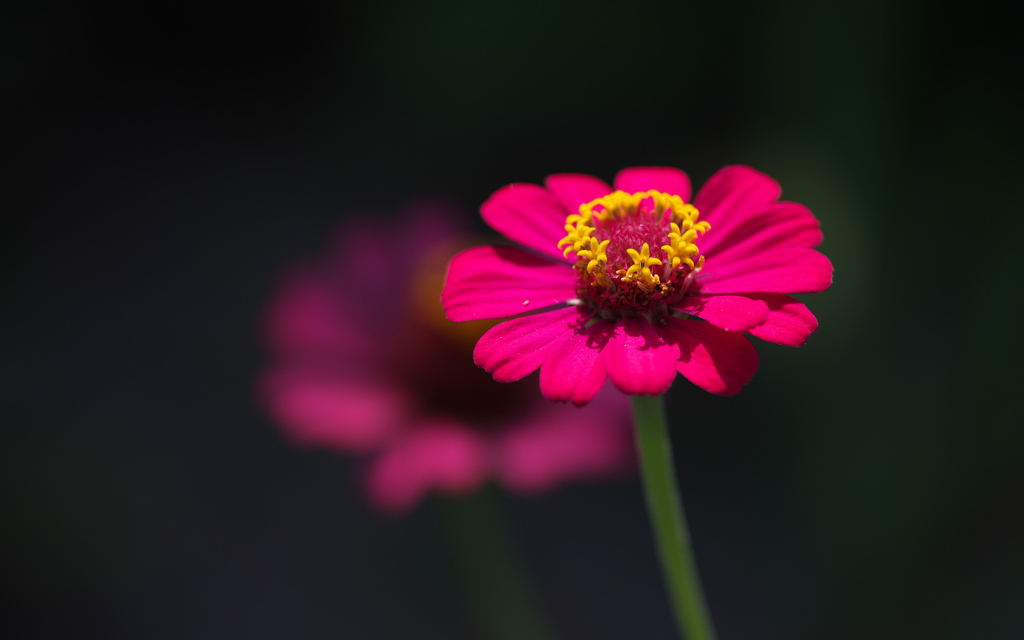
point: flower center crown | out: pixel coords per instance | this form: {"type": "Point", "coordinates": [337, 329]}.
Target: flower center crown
{"type": "Point", "coordinates": [635, 252]}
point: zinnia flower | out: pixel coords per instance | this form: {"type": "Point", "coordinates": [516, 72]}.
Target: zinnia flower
{"type": "Point", "coordinates": [364, 362]}
{"type": "Point", "coordinates": [637, 283]}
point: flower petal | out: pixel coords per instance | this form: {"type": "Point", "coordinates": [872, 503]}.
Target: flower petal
{"type": "Point", "coordinates": [639, 360]}
{"type": "Point", "coordinates": [732, 313]}
{"type": "Point", "coordinates": [773, 226]}
{"type": "Point", "coordinates": [665, 179]}
{"type": "Point", "coordinates": [792, 270]}
{"type": "Point", "coordinates": [308, 316]}
{"type": "Point", "coordinates": [575, 369]}
{"type": "Point", "coordinates": [733, 195]}
{"type": "Point", "coordinates": [514, 349]}
{"type": "Point", "coordinates": [559, 443]}
{"type": "Point", "coordinates": [449, 457]}
{"type": "Point", "coordinates": [320, 409]}
{"type": "Point", "coordinates": [528, 214]}
{"type": "Point", "coordinates": [498, 282]}
{"type": "Point", "coordinates": [574, 189]}
{"type": "Point", "coordinates": [789, 323]}
{"type": "Point", "coordinates": [715, 360]}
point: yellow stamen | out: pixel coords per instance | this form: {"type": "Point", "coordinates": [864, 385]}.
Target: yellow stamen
{"type": "Point", "coordinates": [641, 267]}
{"type": "Point", "coordinates": [595, 255]}
{"type": "Point", "coordinates": [592, 257]}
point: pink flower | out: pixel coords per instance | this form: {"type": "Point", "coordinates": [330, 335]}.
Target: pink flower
{"type": "Point", "coordinates": [621, 289]}
{"type": "Point", "coordinates": [364, 362]}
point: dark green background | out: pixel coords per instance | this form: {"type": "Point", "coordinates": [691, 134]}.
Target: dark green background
{"type": "Point", "coordinates": [169, 159]}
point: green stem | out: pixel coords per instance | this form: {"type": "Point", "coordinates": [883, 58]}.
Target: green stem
{"type": "Point", "coordinates": [669, 520]}
{"type": "Point", "coordinates": [495, 582]}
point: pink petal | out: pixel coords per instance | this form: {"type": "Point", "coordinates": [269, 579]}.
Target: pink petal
{"type": "Point", "coordinates": [560, 443]}
{"type": "Point", "coordinates": [789, 323]}
{"type": "Point", "coordinates": [366, 243]}
{"type": "Point", "coordinates": [715, 360]}
{"type": "Point", "coordinates": [732, 196]}
{"type": "Point", "coordinates": [574, 189]}
{"type": "Point", "coordinates": [344, 413]}
{"type": "Point", "coordinates": [791, 270]}
{"type": "Point", "coordinates": [447, 457]}
{"type": "Point", "coordinates": [498, 282]}
{"type": "Point", "coordinates": [639, 360]}
{"type": "Point", "coordinates": [732, 313]}
{"type": "Point", "coordinates": [367, 247]}
{"type": "Point", "coordinates": [307, 315]}
{"type": "Point", "coordinates": [514, 349]}
{"type": "Point", "coordinates": [774, 226]}
{"type": "Point", "coordinates": [575, 370]}
{"type": "Point", "coordinates": [665, 179]}
{"type": "Point", "coordinates": [528, 214]}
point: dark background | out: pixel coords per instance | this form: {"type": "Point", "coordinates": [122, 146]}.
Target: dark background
{"type": "Point", "coordinates": [167, 160]}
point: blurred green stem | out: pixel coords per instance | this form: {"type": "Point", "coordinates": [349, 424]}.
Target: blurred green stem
{"type": "Point", "coordinates": [494, 580]}
{"type": "Point", "coordinates": [669, 520]}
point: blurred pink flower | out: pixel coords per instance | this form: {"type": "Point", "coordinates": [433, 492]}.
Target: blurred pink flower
{"type": "Point", "coordinates": [364, 362]}
{"type": "Point", "coordinates": [620, 289]}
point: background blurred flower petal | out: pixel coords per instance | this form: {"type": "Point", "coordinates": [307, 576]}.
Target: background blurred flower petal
{"type": "Point", "coordinates": [315, 408]}
{"type": "Point", "coordinates": [448, 457]}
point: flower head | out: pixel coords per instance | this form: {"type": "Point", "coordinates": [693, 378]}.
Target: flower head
{"type": "Point", "coordinates": [637, 283]}
{"type": "Point", "coordinates": [364, 362]}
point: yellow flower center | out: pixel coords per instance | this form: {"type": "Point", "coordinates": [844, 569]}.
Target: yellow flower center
{"type": "Point", "coordinates": [613, 237]}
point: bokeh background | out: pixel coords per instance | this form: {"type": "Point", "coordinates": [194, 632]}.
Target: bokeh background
{"type": "Point", "coordinates": [167, 160]}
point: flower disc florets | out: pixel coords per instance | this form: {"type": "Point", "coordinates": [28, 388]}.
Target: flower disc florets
{"type": "Point", "coordinates": [635, 252]}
